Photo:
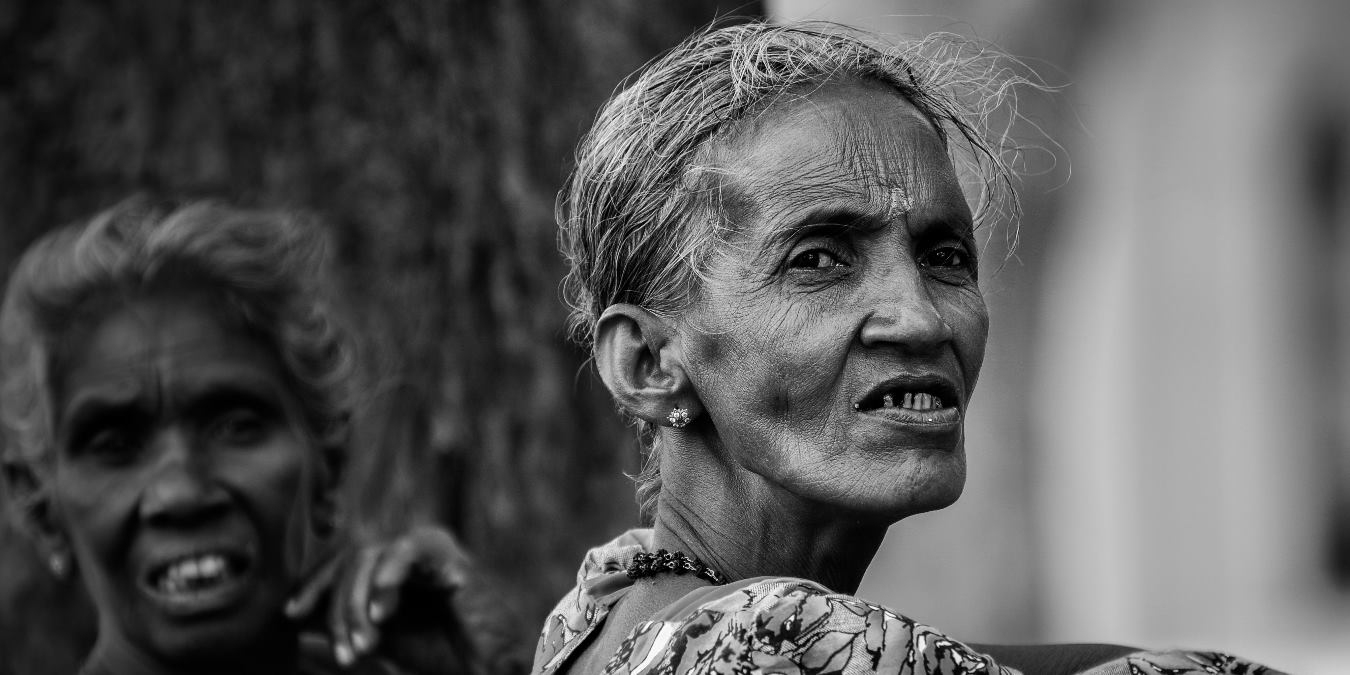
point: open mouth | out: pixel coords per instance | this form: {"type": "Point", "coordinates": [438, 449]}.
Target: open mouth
{"type": "Point", "coordinates": [197, 572]}
{"type": "Point", "coordinates": [916, 396]}
{"type": "Point", "coordinates": [199, 581]}
{"type": "Point", "coordinates": [925, 404]}
{"type": "Point", "coordinates": [908, 400]}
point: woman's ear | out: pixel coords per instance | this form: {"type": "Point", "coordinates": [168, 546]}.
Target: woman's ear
{"type": "Point", "coordinates": [25, 492]}
{"type": "Point", "coordinates": [640, 360]}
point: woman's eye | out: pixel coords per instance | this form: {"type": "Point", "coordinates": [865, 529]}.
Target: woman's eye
{"type": "Point", "coordinates": [239, 427]}
{"type": "Point", "coordinates": [111, 445]}
{"type": "Point", "coordinates": [946, 257]}
{"type": "Point", "coordinates": [816, 258]}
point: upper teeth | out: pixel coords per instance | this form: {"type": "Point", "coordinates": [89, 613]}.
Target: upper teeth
{"type": "Point", "coordinates": [912, 401]}
{"type": "Point", "coordinates": [194, 569]}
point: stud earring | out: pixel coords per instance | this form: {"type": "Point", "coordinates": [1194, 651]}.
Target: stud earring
{"type": "Point", "coordinates": [58, 564]}
{"type": "Point", "coordinates": [679, 417]}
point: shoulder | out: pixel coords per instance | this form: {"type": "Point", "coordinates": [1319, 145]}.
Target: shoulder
{"type": "Point", "coordinates": [789, 625]}
{"type": "Point", "coordinates": [600, 583]}
{"type": "Point", "coordinates": [1108, 659]}
{"type": "Point", "coordinates": [1180, 662]}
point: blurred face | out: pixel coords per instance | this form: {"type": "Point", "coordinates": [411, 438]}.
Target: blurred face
{"type": "Point", "coordinates": [180, 461]}
{"type": "Point", "coordinates": [840, 334]}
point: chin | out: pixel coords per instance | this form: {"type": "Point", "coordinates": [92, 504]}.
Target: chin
{"type": "Point", "coordinates": [935, 486]}
{"type": "Point", "coordinates": [935, 500]}
{"type": "Point", "coordinates": [239, 637]}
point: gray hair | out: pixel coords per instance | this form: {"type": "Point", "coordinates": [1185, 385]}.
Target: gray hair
{"type": "Point", "coordinates": [638, 216]}
{"type": "Point", "coordinates": [271, 270]}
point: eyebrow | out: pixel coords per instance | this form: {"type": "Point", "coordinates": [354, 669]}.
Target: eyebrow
{"type": "Point", "coordinates": [213, 390]}
{"type": "Point", "coordinates": [228, 385]}
{"type": "Point", "coordinates": [823, 220]}
{"type": "Point", "coordinates": [216, 397]}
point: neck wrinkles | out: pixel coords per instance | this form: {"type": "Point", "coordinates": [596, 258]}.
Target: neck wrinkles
{"type": "Point", "coordinates": [743, 527]}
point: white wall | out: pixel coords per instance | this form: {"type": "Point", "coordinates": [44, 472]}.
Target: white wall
{"type": "Point", "coordinates": [1159, 433]}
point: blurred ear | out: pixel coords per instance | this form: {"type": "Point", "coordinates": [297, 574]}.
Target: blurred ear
{"type": "Point", "coordinates": [640, 360]}
{"type": "Point", "coordinates": [26, 495]}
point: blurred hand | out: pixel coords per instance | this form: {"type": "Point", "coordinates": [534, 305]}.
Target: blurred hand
{"type": "Point", "coordinates": [406, 586]}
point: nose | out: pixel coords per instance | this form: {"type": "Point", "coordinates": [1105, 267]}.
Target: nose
{"type": "Point", "coordinates": [904, 314]}
{"type": "Point", "coordinates": [180, 491]}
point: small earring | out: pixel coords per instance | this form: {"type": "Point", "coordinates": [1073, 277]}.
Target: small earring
{"type": "Point", "coordinates": [679, 417]}
{"type": "Point", "coordinates": [58, 564]}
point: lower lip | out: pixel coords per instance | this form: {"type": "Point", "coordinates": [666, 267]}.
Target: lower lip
{"type": "Point", "coordinates": [218, 597]}
{"type": "Point", "coordinates": [939, 420]}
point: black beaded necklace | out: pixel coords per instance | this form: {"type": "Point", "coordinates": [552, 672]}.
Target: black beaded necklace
{"type": "Point", "coordinates": [652, 564]}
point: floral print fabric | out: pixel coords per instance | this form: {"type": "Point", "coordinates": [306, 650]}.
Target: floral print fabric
{"type": "Point", "coordinates": [793, 627]}
{"type": "Point", "coordinates": [786, 626]}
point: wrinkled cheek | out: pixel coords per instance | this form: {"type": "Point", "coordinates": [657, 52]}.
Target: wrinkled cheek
{"type": "Point", "coordinates": [970, 323]}
{"type": "Point", "coordinates": [799, 396]}
{"type": "Point", "coordinates": [787, 395]}
{"type": "Point", "coordinates": [96, 514]}
{"type": "Point", "coordinates": [97, 535]}
{"type": "Point", "coordinates": [806, 362]}
{"type": "Point", "coordinates": [92, 542]}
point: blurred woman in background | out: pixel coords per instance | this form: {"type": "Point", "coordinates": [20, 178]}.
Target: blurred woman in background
{"type": "Point", "coordinates": [773, 260]}
{"type": "Point", "coordinates": [178, 388]}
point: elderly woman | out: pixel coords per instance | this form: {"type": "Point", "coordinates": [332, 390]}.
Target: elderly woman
{"type": "Point", "coordinates": [177, 389]}
{"type": "Point", "coordinates": [774, 263]}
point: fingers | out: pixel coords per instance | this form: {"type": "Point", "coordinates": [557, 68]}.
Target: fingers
{"type": "Point", "coordinates": [313, 590]}
{"type": "Point", "coordinates": [390, 576]}
{"type": "Point", "coordinates": [352, 631]}
{"type": "Point", "coordinates": [429, 550]}
{"type": "Point", "coordinates": [452, 569]}
{"type": "Point", "coordinates": [441, 556]}
{"type": "Point", "coordinates": [365, 586]}
{"type": "Point", "coordinates": [364, 633]}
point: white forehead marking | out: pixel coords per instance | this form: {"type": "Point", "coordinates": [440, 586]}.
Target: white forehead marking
{"type": "Point", "coordinates": [900, 204]}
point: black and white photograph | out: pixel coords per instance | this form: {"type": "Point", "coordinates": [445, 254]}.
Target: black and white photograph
{"type": "Point", "coordinates": [612, 337]}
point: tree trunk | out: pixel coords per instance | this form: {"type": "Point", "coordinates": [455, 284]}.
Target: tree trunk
{"type": "Point", "coordinates": [433, 136]}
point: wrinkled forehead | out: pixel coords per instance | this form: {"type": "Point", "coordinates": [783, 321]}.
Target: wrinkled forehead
{"type": "Point", "coordinates": [851, 140]}
{"type": "Point", "coordinates": [161, 335]}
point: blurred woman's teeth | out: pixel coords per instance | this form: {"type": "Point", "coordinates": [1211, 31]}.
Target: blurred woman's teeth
{"type": "Point", "coordinates": [193, 573]}
{"type": "Point", "coordinates": [211, 565]}
{"type": "Point", "coordinates": [887, 401]}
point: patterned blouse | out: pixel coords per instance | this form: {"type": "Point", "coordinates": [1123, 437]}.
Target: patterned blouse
{"type": "Point", "coordinates": [788, 626]}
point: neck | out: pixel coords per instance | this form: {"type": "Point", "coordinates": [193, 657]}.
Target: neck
{"type": "Point", "coordinates": [114, 656]}
{"type": "Point", "coordinates": [742, 526]}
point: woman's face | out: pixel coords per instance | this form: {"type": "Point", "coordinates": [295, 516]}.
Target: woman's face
{"type": "Point", "coordinates": [838, 337]}
{"type": "Point", "coordinates": [180, 462]}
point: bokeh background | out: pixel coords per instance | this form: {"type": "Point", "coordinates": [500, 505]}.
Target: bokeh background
{"type": "Point", "coordinates": [1159, 449]}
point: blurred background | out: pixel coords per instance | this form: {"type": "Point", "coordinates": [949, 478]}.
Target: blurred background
{"type": "Point", "coordinates": [1158, 450]}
